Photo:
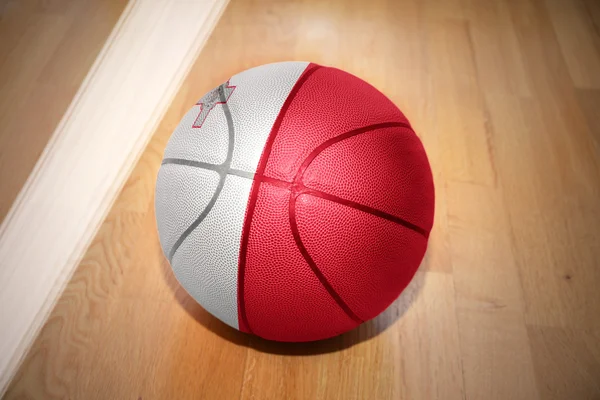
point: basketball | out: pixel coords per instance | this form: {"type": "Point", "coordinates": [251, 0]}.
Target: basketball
{"type": "Point", "coordinates": [294, 202]}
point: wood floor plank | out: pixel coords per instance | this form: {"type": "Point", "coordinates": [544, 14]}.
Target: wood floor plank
{"type": "Point", "coordinates": [63, 356]}
{"type": "Point", "coordinates": [489, 298]}
{"type": "Point", "coordinates": [567, 362]}
{"type": "Point", "coordinates": [460, 113]}
{"type": "Point", "coordinates": [432, 369]}
{"type": "Point", "coordinates": [442, 10]}
{"type": "Point", "coordinates": [592, 9]}
{"type": "Point", "coordinates": [496, 52]}
{"type": "Point", "coordinates": [589, 101]}
{"type": "Point", "coordinates": [550, 217]}
{"type": "Point", "coordinates": [553, 206]}
{"type": "Point", "coordinates": [572, 23]}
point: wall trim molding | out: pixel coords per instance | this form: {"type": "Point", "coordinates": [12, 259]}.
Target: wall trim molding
{"type": "Point", "coordinates": [88, 159]}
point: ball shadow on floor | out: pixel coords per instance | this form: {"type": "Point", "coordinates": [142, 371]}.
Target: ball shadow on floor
{"type": "Point", "coordinates": [362, 333]}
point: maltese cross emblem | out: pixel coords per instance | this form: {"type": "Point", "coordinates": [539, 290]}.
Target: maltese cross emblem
{"type": "Point", "coordinates": [219, 95]}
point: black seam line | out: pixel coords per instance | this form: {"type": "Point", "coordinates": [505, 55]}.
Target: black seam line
{"type": "Point", "coordinates": [364, 208]}
{"type": "Point", "coordinates": [222, 175]}
{"type": "Point", "coordinates": [220, 168]}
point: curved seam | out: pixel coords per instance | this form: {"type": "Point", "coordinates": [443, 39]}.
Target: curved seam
{"type": "Point", "coordinates": [223, 168]}
{"type": "Point", "coordinates": [311, 263]}
{"type": "Point", "coordinates": [364, 208]}
{"type": "Point", "coordinates": [211, 167]}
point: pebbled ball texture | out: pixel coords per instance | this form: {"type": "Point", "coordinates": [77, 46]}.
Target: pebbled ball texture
{"type": "Point", "coordinates": [294, 202]}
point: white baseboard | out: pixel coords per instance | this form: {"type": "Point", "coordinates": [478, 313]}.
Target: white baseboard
{"type": "Point", "coordinates": [88, 159]}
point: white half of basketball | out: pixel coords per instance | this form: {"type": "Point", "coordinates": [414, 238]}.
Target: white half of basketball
{"type": "Point", "coordinates": [206, 260]}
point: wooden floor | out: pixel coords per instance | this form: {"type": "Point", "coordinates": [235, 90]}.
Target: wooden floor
{"type": "Point", "coordinates": [46, 50]}
{"type": "Point", "coordinates": [505, 95]}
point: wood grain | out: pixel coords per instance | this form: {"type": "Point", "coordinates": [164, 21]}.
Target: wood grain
{"type": "Point", "coordinates": [46, 50]}
{"type": "Point", "coordinates": [505, 305]}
